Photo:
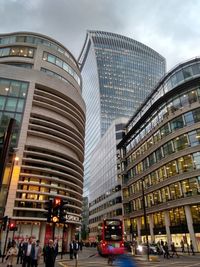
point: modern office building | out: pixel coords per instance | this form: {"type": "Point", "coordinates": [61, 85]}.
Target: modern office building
{"type": "Point", "coordinates": [118, 74]}
{"type": "Point", "coordinates": [105, 188]}
{"type": "Point", "coordinates": [160, 161]}
{"type": "Point", "coordinates": [40, 87]}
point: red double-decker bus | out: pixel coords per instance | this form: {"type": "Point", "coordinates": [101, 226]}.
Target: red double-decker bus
{"type": "Point", "coordinates": [111, 234]}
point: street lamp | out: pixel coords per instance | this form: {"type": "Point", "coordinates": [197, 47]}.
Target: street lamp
{"type": "Point", "coordinates": [145, 218]}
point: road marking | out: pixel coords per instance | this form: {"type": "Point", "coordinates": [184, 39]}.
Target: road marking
{"type": "Point", "coordinates": [195, 264]}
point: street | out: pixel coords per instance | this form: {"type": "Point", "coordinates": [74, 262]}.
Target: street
{"type": "Point", "coordinates": [90, 258]}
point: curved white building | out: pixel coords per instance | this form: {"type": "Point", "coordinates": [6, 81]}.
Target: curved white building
{"type": "Point", "coordinates": [40, 86]}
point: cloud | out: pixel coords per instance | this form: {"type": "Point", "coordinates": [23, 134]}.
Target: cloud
{"type": "Point", "coordinates": [169, 27]}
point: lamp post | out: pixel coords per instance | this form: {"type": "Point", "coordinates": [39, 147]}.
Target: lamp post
{"type": "Point", "coordinates": [145, 219]}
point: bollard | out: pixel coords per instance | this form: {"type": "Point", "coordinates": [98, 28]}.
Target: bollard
{"type": "Point", "coordinates": [76, 261]}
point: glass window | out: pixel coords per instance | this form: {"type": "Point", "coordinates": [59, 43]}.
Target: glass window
{"type": "Point", "coordinates": [187, 72]}
{"type": "Point", "coordinates": [179, 76]}
{"type": "Point", "coordinates": [188, 117]}
{"type": "Point", "coordinates": [20, 105]}
{"type": "Point", "coordinates": [180, 142]}
{"type": "Point", "coordinates": [150, 142]}
{"type": "Point", "coordinates": [175, 191]}
{"type": "Point", "coordinates": [165, 194]}
{"type": "Point", "coordinates": [171, 169]}
{"type": "Point", "coordinates": [194, 138]}
{"type": "Point", "coordinates": [177, 123]}
{"type": "Point", "coordinates": [192, 96]}
{"type": "Point", "coordinates": [11, 104]}
{"type": "Point", "coordinates": [159, 154]}
{"type": "Point", "coordinates": [161, 174]}
{"type": "Point", "coordinates": [195, 69]}
{"type": "Point", "coordinates": [184, 100]}
{"type": "Point", "coordinates": [196, 115]}
{"type": "Point", "coordinates": [152, 159]}
{"type": "Point", "coordinates": [165, 130]}
{"type": "Point", "coordinates": [6, 118]}
{"type": "Point", "coordinates": [5, 52]}
{"type": "Point", "coordinates": [2, 102]}
{"type": "Point", "coordinates": [14, 88]}
{"type": "Point", "coordinates": [4, 87]}
{"type": "Point", "coordinates": [185, 163]}
{"type": "Point", "coordinates": [59, 62]}
{"type": "Point", "coordinates": [168, 148]}
{"type": "Point", "coordinates": [51, 58]}
{"type": "Point", "coordinates": [196, 160]}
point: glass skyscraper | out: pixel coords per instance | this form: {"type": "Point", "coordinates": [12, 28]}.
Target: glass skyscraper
{"type": "Point", "coordinates": [118, 74]}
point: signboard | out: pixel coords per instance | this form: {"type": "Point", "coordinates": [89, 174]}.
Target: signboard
{"type": "Point", "coordinates": [72, 218]}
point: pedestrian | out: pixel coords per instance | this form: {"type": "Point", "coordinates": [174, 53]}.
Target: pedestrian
{"type": "Point", "coordinates": [28, 252]}
{"type": "Point", "coordinates": [20, 252]}
{"type": "Point", "coordinates": [166, 251]}
{"type": "Point", "coordinates": [182, 246]}
{"type": "Point", "coordinates": [50, 254]}
{"type": "Point", "coordinates": [192, 247]}
{"type": "Point", "coordinates": [125, 261]}
{"type": "Point", "coordinates": [173, 249]}
{"type": "Point", "coordinates": [56, 247]}
{"type": "Point", "coordinates": [37, 254]}
{"type": "Point", "coordinates": [11, 254]}
{"type": "Point", "coordinates": [71, 250]}
{"type": "Point", "coordinates": [75, 249]}
{"type": "Point", "coordinates": [80, 245]}
{"type": "Point", "coordinates": [188, 248]}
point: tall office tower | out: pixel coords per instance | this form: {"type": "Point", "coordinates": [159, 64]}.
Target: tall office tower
{"type": "Point", "coordinates": [105, 187]}
{"type": "Point", "coordinates": [118, 74]}
{"type": "Point", "coordinates": [40, 87]}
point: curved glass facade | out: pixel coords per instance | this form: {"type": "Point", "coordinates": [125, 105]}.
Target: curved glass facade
{"type": "Point", "coordinates": [121, 75]}
{"type": "Point", "coordinates": [161, 149]}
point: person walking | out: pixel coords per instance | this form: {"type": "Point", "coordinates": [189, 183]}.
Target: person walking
{"type": "Point", "coordinates": [11, 254]}
{"type": "Point", "coordinates": [182, 246]}
{"type": "Point", "coordinates": [20, 252]}
{"type": "Point", "coordinates": [192, 247]}
{"type": "Point", "coordinates": [166, 251]}
{"type": "Point", "coordinates": [173, 249]}
{"type": "Point", "coordinates": [37, 254]}
{"type": "Point", "coordinates": [28, 252]}
{"type": "Point", "coordinates": [50, 254]}
{"type": "Point", "coordinates": [71, 250]}
{"type": "Point", "coordinates": [75, 248]}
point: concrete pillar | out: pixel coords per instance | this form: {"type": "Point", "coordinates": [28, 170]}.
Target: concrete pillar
{"type": "Point", "coordinates": [139, 228]}
{"type": "Point", "coordinates": [42, 233]}
{"type": "Point", "coordinates": [151, 225]}
{"type": "Point", "coordinates": [189, 219]}
{"type": "Point", "coordinates": [167, 225]}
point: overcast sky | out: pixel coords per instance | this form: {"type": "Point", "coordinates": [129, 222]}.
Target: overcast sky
{"type": "Point", "coordinates": [171, 27]}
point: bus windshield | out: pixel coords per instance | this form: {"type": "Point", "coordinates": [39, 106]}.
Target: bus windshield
{"type": "Point", "coordinates": [113, 230]}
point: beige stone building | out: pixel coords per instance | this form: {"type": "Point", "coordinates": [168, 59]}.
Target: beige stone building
{"type": "Point", "coordinates": [40, 87]}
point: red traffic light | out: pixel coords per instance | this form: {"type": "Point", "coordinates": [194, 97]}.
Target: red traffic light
{"type": "Point", "coordinates": [12, 226]}
{"type": "Point", "coordinates": [57, 202]}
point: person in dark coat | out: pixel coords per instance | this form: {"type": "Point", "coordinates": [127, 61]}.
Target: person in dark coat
{"type": "Point", "coordinates": [173, 249]}
{"type": "Point", "coordinates": [50, 254]}
{"type": "Point", "coordinates": [28, 252]}
{"type": "Point", "coordinates": [20, 252]}
{"type": "Point", "coordinates": [71, 250]}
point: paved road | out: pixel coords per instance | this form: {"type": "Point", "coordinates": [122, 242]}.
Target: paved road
{"type": "Point", "coordinates": [89, 258]}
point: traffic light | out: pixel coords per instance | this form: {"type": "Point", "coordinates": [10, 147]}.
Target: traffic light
{"type": "Point", "coordinates": [62, 214]}
{"type": "Point", "coordinates": [56, 210]}
{"type": "Point", "coordinates": [4, 222]}
{"type": "Point", "coordinates": [48, 207]}
{"type": "Point", "coordinates": [12, 226]}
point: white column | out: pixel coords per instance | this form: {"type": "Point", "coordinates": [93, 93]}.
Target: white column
{"type": "Point", "coordinates": [139, 228]}
{"type": "Point", "coordinates": [151, 225]}
{"type": "Point", "coordinates": [190, 226]}
{"type": "Point", "coordinates": [167, 225]}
